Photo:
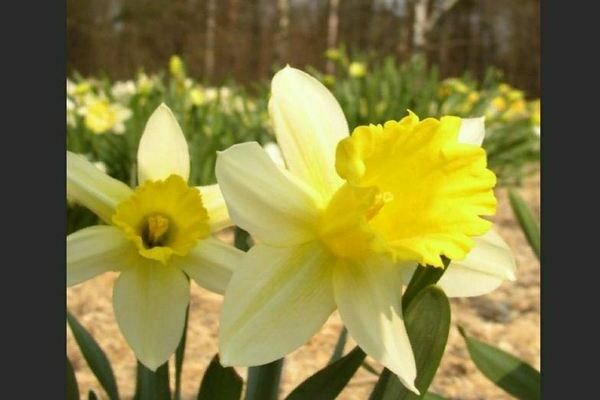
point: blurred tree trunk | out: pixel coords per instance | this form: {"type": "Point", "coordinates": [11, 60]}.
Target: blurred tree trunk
{"type": "Point", "coordinates": [209, 50]}
{"type": "Point", "coordinates": [333, 20]}
{"type": "Point", "coordinates": [283, 32]}
{"type": "Point", "coordinates": [233, 17]}
{"type": "Point", "coordinates": [425, 18]}
{"type": "Point", "coordinates": [419, 39]}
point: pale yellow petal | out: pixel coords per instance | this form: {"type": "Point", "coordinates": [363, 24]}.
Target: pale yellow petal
{"type": "Point", "coordinates": [212, 198]}
{"type": "Point", "coordinates": [272, 206]}
{"type": "Point", "coordinates": [149, 301]}
{"type": "Point", "coordinates": [276, 300]}
{"type": "Point", "coordinates": [472, 130]}
{"type": "Point", "coordinates": [163, 150]}
{"type": "Point", "coordinates": [211, 264]}
{"type": "Point", "coordinates": [91, 187]}
{"type": "Point", "coordinates": [368, 297]}
{"type": "Point", "coordinates": [484, 269]}
{"type": "Point", "coordinates": [308, 123]}
{"type": "Point", "coordinates": [94, 250]}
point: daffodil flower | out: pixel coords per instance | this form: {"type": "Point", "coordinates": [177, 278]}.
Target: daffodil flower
{"type": "Point", "coordinates": [348, 221]}
{"type": "Point", "coordinates": [155, 235]}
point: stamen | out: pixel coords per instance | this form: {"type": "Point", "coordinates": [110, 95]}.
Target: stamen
{"type": "Point", "coordinates": [381, 199]}
{"type": "Point", "coordinates": [156, 229]}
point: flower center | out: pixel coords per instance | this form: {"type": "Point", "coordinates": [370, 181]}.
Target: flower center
{"type": "Point", "coordinates": [163, 218]}
{"type": "Point", "coordinates": [412, 191]}
{"type": "Point", "coordinates": [155, 232]}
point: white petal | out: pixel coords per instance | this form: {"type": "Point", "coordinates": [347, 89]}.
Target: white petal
{"type": "Point", "coordinates": [308, 123]}
{"type": "Point", "coordinates": [91, 187]}
{"type": "Point", "coordinates": [163, 150]}
{"type": "Point", "coordinates": [211, 263]}
{"type": "Point", "coordinates": [368, 296]}
{"type": "Point", "coordinates": [486, 266]}
{"type": "Point", "coordinates": [150, 302]}
{"type": "Point", "coordinates": [95, 250]}
{"type": "Point", "coordinates": [272, 206]}
{"type": "Point", "coordinates": [276, 300]}
{"type": "Point", "coordinates": [472, 130]}
{"type": "Point", "coordinates": [212, 198]}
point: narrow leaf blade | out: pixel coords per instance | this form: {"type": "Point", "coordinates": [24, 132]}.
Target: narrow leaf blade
{"type": "Point", "coordinates": [507, 371]}
{"type": "Point", "coordinates": [527, 221]}
{"type": "Point", "coordinates": [72, 388]}
{"type": "Point", "coordinates": [220, 382]}
{"type": "Point", "coordinates": [95, 357]}
{"type": "Point", "coordinates": [327, 383]}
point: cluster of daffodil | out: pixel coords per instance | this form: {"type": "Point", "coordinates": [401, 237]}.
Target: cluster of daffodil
{"type": "Point", "coordinates": [218, 117]}
{"type": "Point", "coordinates": [498, 103]}
{"type": "Point", "coordinates": [340, 219]}
{"type": "Point", "coordinates": [97, 111]}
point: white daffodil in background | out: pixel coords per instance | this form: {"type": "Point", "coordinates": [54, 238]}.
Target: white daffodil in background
{"type": "Point", "coordinates": [346, 232]}
{"type": "Point", "coordinates": [155, 235]}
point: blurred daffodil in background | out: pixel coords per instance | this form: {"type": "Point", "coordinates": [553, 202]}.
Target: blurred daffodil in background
{"type": "Point", "coordinates": [347, 222]}
{"type": "Point", "coordinates": [357, 69]}
{"type": "Point", "coordinates": [102, 116]}
{"type": "Point", "coordinates": [156, 236]}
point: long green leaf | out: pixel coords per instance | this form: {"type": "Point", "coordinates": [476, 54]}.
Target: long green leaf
{"type": "Point", "coordinates": [72, 388]}
{"type": "Point", "coordinates": [527, 221]}
{"type": "Point", "coordinates": [507, 371]}
{"type": "Point", "coordinates": [339, 346]}
{"type": "Point", "coordinates": [331, 380]}
{"type": "Point", "coordinates": [152, 385]}
{"type": "Point", "coordinates": [92, 395]}
{"type": "Point", "coordinates": [432, 396]}
{"type": "Point", "coordinates": [263, 381]}
{"type": "Point", "coordinates": [179, 355]}
{"type": "Point", "coordinates": [427, 320]}
{"type": "Point", "coordinates": [95, 357]}
{"type": "Point", "coordinates": [220, 383]}
{"type": "Point", "coordinates": [422, 277]}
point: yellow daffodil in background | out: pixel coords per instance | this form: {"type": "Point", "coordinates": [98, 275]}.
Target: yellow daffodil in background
{"type": "Point", "coordinates": [102, 116]}
{"type": "Point", "coordinates": [196, 96]}
{"type": "Point", "coordinates": [345, 225]}
{"type": "Point", "coordinates": [536, 120]}
{"type": "Point", "coordinates": [156, 234]}
{"type": "Point", "coordinates": [176, 67]}
{"type": "Point", "coordinates": [357, 69]}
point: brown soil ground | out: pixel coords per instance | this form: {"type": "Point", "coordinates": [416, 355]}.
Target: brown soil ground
{"type": "Point", "coordinates": [509, 318]}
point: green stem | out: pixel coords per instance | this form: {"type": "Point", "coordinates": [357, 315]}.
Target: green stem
{"type": "Point", "coordinates": [152, 385]}
{"type": "Point", "coordinates": [263, 381]}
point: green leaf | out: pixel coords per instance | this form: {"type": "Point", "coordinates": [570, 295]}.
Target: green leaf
{"type": "Point", "coordinates": [92, 395]}
{"type": "Point", "coordinates": [427, 321]}
{"type": "Point", "coordinates": [339, 346]}
{"type": "Point", "coordinates": [179, 355]}
{"type": "Point", "coordinates": [507, 371]}
{"type": "Point", "coordinates": [527, 221]}
{"type": "Point", "coordinates": [422, 277]}
{"type": "Point", "coordinates": [220, 383]}
{"type": "Point", "coordinates": [72, 388]}
{"type": "Point", "coordinates": [95, 357]}
{"type": "Point", "coordinates": [331, 380]}
{"type": "Point", "coordinates": [152, 385]}
{"type": "Point", "coordinates": [263, 381]}
{"type": "Point", "coordinates": [432, 396]}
